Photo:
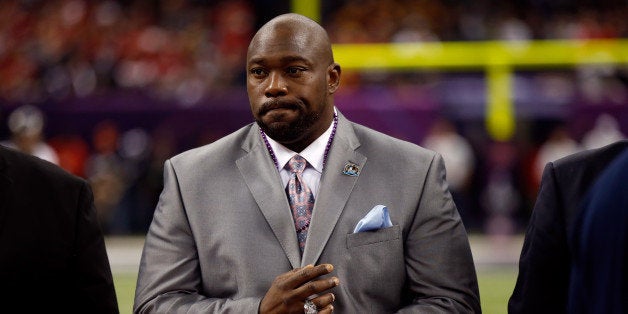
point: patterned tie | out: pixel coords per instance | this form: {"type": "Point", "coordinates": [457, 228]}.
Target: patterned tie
{"type": "Point", "coordinates": [300, 198]}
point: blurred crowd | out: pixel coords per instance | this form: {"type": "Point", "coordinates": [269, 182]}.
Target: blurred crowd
{"type": "Point", "coordinates": [123, 167]}
{"type": "Point", "coordinates": [450, 20]}
{"type": "Point", "coordinates": [494, 184]}
{"type": "Point", "coordinates": [177, 49]}
{"type": "Point", "coordinates": [182, 51]}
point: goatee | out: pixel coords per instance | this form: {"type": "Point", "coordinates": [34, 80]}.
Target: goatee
{"type": "Point", "coordinates": [287, 132]}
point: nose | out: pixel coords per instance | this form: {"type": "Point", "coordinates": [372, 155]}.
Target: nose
{"type": "Point", "coordinates": [276, 86]}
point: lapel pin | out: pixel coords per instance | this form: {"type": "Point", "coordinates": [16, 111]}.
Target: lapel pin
{"type": "Point", "coordinates": [351, 170]}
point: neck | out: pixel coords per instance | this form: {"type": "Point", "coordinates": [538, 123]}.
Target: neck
{"type": "Point", "coordinates": [327, 147]}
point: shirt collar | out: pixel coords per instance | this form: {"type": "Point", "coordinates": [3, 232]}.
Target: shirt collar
{"type": "Point", "coordinates": [314, 153]}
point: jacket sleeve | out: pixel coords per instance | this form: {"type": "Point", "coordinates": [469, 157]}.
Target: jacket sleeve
{"type": "Point", "coordinates": [439, 265]}
{"type": "Point", "coordinates": [93, 273]}
{"type": "Point", "coordinates": [543, 278]}
{"type": "Point", "coordinates": [169, 279]}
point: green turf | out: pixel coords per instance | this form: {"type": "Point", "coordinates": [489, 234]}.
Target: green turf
{"type": "Point", "coordinates": [125, 290]}
{"type": "Point", "coordinates": [495, 288]}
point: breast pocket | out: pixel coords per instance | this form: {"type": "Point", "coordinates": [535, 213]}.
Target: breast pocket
{"type": "Point", "coordinates": [374, 268]}
{"type": "Point", "coordinates": [373, 237]}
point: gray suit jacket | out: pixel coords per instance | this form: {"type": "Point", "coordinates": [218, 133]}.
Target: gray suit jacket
{"type": "Point", "coordinates": [223, 230]}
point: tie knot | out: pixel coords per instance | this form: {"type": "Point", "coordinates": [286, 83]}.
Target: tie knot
{"type": "Point", "coordinates": [297, 164]}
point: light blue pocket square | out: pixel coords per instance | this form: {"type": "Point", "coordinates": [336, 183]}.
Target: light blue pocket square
{"type": "Point", "coordinates": [377, 218]}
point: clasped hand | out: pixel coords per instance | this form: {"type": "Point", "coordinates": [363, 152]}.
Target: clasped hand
{"type": "Point", "coordinates": [290, 290]}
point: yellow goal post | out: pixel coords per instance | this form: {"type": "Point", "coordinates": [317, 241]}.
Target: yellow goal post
{"type": "Point", "coordinates": [498, 59]}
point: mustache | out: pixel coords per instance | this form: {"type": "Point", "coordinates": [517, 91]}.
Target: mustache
{"type": "Point", "coordinates": [280, 104]}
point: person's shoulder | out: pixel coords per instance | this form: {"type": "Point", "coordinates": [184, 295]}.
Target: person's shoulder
{"type": "Point", "coordinates": [378, 140]}
{"type": "Point", "coordinates": [592, 157]}
{"type": "Point", "coordinates": [577, 171]}
{"type": "Point", "coordinates": [229, 145]}
{"type": "Point", "coordinates": [22, 166]}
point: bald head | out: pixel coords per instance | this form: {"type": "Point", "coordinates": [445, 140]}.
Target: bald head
{"type": "Point", "coordinates": [291, 80]}
{"type": "Point", "coordinates": [293, 31]}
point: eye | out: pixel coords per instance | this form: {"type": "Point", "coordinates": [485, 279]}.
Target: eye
{"type": "Point", "coordinates": [258, 72]}
{"type": "Point", "coordinates": [295, 71]}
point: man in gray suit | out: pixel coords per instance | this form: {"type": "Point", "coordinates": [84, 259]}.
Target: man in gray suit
{"type": "Point", "coordinates": [226, 237]}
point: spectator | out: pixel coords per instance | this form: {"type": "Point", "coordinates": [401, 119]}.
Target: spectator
{"type": "Point", "coordinates": [604, 132]}
{"type": "Point", "coordinates": [459, 161]}
{"type": "Point", "coordinates": [26, 124]}
{"type": "Point", "coordinates": [558, 144]}
{"type": "Point", "coordinates": [105, 172]}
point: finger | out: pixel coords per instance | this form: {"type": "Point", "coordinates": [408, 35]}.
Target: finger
{"type": "Point", "coordinates": [324, 300]}
{"type": "Point", "coordinates": [307, 273]}
{"type": "Point", "coordinates": [285, 277]}
{"type": "Point", "coordinates": [295, 270]}
{"type": "Point", "coordinates": [315, 287]}
{"type": "Point", "coordinates": [326, 310]}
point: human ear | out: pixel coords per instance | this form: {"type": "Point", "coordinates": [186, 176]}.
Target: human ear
{"type": "Point", "coordinates": [333, 77]}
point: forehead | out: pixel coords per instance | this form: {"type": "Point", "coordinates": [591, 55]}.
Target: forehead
{"type": "Point", "coordinates": [285, 44]}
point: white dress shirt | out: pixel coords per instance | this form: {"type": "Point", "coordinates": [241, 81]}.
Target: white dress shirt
{"type": "Point", "coordinates": [314, 154]}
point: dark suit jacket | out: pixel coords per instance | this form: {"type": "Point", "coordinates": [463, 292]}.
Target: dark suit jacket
{"type": "Point", "coordinates": [52, 252]}
{"type": "Point", "coordinates": [599, 276]}
{"type": "Point", "coordinates": [545, 262]}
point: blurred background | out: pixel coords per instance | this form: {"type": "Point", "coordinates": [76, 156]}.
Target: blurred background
{"type": "Point", "coordinates": [110, 89]}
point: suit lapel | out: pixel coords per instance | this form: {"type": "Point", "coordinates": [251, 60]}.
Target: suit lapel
{"type": "Point", "coordinates": [264, 182]}
{"type": "Point", "coordinates": [334, 191]}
